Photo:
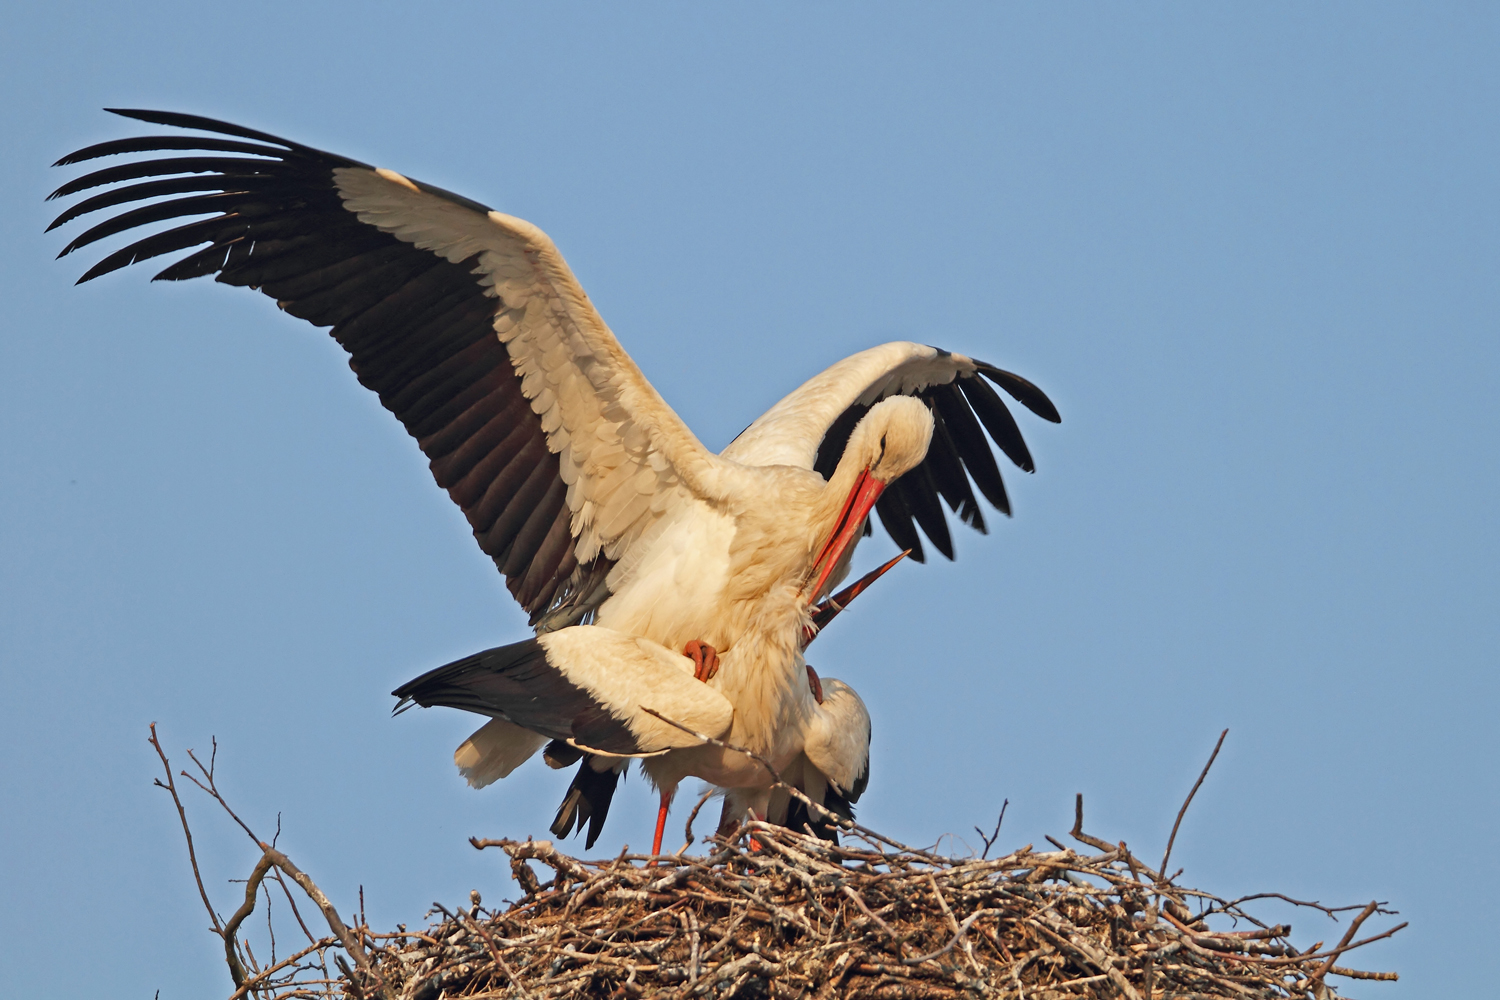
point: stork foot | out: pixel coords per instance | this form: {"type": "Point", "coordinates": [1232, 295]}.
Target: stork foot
{"type": "Point", "coordinates": [752, 843]}
{"type": "Point", "coordinates": [815, 683]}
{"type": "Point", "coordinates": [705, 659]}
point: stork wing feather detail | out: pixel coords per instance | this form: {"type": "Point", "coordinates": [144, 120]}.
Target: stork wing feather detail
{"type": "Point", "coordinates": [811, 426]}
{"type": "Point", "coordinates": [467, 323]}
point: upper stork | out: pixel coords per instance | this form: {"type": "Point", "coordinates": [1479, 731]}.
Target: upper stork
{"type": "Point", "coordinates": [595, 501]}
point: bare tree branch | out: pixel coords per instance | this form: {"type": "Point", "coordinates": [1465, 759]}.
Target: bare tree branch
{"type": "Point", "coordinates": [1189, 801]}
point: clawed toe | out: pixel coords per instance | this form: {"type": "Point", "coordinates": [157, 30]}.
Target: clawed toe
{"type": "Point", "coordinates": [705, 659]}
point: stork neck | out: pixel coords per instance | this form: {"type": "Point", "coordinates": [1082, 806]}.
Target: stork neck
{"type": "Point", "coordinates": [853, 465]}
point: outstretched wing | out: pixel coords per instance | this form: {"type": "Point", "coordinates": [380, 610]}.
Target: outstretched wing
{"type": "Point", "coordinates": [466, 322]}
{"type": "Point", "coordinates": [811, 427]}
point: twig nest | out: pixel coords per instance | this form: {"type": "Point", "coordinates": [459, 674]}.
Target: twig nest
{"type": "Point", "coordinates": [773, 913]}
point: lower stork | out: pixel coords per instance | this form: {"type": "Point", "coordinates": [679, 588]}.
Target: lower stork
{"type": "Point", "coordinates": [832, 770]}
{"type": "Point", "coordinates": [610, 697]}
{"type": "Point", "coordinates": [595, 501]}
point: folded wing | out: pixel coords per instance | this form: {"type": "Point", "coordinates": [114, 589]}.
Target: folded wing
{"type": "Point", "coordinates": [811, 426]}
{"type": "Point", "coordinates": [586, 685]}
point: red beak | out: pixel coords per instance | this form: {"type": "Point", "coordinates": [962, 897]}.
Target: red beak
{"type": "Point", "coordinates": [857, 506]}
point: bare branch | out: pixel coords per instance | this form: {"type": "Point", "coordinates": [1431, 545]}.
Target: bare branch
{"type": "Point", "coordinates": [990, 840]}
{"type": "Point", "coordinates": [213, 789]}
{"type": "Point", "coordinates": [252, 890]}
{"type": "Point", "coordinates": [340, 930]}
{"type": "Point", "coordinates": [171, 787]}
{"type": "Point", "coordinates": [687, 831]}
{"type": "Point", "coordinates": [1343, 945]}
{"type": "Point", "coordinates": [799, 916]}
{"type": "Point", "coordinates": [1189, 801]}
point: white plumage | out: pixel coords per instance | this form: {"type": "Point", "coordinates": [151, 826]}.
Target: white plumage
{"type": "Point", "coordinates": [832, 768]}
{"type": "Point", "coordinates": [626, 541]}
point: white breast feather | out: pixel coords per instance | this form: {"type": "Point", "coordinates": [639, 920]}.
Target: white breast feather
{"type": "Point", "coordinates": [838, 738]}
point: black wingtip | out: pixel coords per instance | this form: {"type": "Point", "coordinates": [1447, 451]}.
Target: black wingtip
{"type": "Point", "coordinates": [1024, 392]}
{"type": "Point", "coordinates": [176, 119]}
{"type": "Point", "coordinates": [997, 420]}
{"type": "Point", "coordinates": [105, 266]}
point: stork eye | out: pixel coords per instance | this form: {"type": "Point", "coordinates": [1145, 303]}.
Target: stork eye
{"type": "Point", "coordinates": [882, 448]}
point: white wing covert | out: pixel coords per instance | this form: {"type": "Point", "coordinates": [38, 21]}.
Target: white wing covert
{"type": "Point", "coordinates": [467, 323]}
{"type": "Point", "coordinates": [618, 443]}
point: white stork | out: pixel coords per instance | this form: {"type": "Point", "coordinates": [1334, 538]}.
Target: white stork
{"type": "Point", "coordinates": [598, 505]}
{"type": "Point", "coordinates": [590, 666]}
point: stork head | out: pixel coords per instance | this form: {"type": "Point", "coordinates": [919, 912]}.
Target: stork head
{"type": "Point", "coordinates": [838, 739]}
{"type": "Point", "coordinates": [890, 441]}
{"type": "Point", "coordinates": [892, 438]}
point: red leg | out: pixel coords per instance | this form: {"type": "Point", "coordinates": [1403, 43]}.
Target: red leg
{"type": "Point", "coordinates": [705, 659]}
{"type": "Point", "coordinates": [661, 825]}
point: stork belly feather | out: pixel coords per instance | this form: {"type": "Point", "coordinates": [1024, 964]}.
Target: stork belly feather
{"type": "Point", "coordinates": [674, 592]}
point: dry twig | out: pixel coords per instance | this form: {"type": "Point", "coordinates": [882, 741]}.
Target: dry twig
{"type": "Point", "coordinates": [773, 913]}
{"type": "Point", "coordinates": [990, 840]}
{"type": "Point", "coordinates": [806, 917]}
{"type": "Point", "coordinates": [1189, 801]}
{"type": "Point", "coordinates": [292, 983]}
{"type": "Point", "coordinates": [171, 787]}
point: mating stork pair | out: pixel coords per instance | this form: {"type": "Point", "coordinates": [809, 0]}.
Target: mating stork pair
{"type": "Point", "coordinates": [658, 575]}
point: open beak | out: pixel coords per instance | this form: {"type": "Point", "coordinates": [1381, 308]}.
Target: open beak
{"type": "Point", "coordinates": [828, 609]}
{"type": "Point", "coordinates": [857, 506]}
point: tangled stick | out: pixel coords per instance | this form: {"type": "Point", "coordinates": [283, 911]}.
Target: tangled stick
{"type": "Point", "coordinates": [802, 917]}
{"type": "Point", "coordinates": [769, 912]}
{"type": "Point", "coordinates": [271, 861]}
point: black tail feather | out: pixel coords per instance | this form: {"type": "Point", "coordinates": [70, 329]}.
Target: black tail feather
{"type": "Point", "coordinates": [587, 801]}
{"type": "Point", "coordinates": [799, 817]}
{"type": "Point", "coordinates": [560, 754]}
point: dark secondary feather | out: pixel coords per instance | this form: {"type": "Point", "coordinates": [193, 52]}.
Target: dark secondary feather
{"type": "Point", "coordinates": [589, 793]}
{"type": "Point", "coordinates": [962, 411]}
{"type": "Point", "coordinates": [516, 682]}
{"type": "Point", "coordinates": [839, 801]}
{"type": "Point", "coordinates": [418, 328]}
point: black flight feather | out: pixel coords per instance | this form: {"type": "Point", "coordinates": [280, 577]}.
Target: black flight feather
{"type": "Point", "coordinates": [419, 328]}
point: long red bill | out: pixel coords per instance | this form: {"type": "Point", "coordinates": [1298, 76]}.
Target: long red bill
{"type": "Point", "coordinates": [828, 609]}
{"type": "Point", "coordinates": [857, 506]}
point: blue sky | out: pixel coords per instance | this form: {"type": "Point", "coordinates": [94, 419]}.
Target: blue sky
{"type": "Point", "coordinates": [1250, 252]}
